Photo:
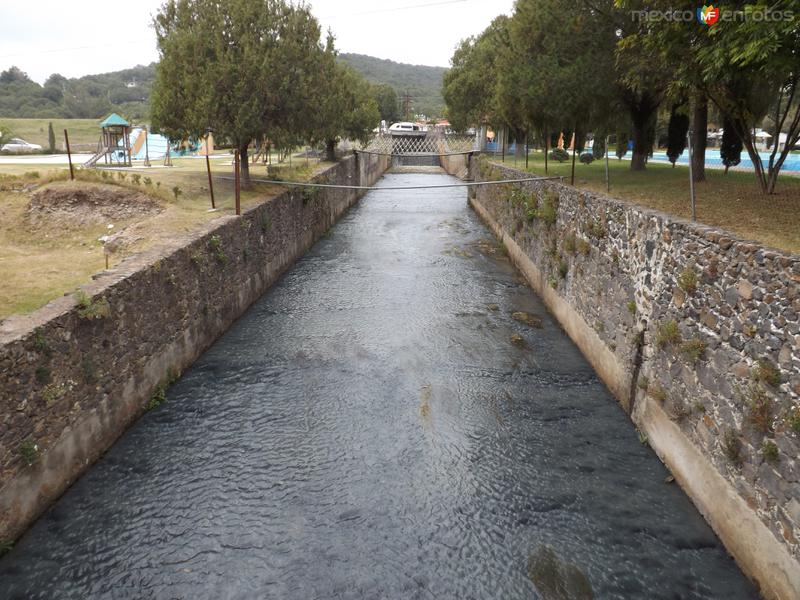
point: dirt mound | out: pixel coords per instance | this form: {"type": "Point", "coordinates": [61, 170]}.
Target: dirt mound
{"type": "Point", "coordinates": [78, 203]}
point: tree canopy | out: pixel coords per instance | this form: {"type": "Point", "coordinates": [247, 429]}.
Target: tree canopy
{"type": "Point", "coordinates": [251, 70]}
{"type": "Point", "coordinates": [602, 65]}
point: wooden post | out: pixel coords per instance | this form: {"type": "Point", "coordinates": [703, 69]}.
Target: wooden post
{"type": "Point", "coordinates": [69, 157]}
{"type": "Point", "coordinates": [210, 183]}
{"type": "Point", "coordinates": [236, 181]}
{"type": "Point", "coordinates": [146, 147]}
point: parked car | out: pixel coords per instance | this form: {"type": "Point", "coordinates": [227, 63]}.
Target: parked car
{"type": "Point", "coordinates": [20, 145]}
{"type": "Point", "coordinates": [406, 129]}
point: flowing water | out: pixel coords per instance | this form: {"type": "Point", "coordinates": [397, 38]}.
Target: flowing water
{"type": "Point", "coordinates": [370, 429]}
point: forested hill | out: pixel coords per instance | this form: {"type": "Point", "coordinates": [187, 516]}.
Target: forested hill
{"type": "Point", "coordinates": [128, 92]}
{"type": "Point", "coordinates": [423, 83]}
{"type": "Point", "coordinates": [92, 96]}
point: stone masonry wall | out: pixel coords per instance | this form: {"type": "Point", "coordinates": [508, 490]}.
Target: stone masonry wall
{"type": "Point", "coordinates": [695, 332]}
{"type": "Point", "coordinates": [72, 379]}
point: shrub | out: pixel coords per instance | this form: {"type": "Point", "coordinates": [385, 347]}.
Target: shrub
{"type": "Point", "coordinates": [759, 408]}
{"type": "Point", "coordinates": [632, 307]}
{"type": "Point", "coordinates": [570, 244]}
{"type": "Point", "coordinates": [563, 268]}
{"type": "Point", "coordinates": [694, 350]}
{"type": "Point", "coordinates": [587, 158]}
{"type": "Point", "coordinates": [667, 333]}
{"type": "Point", "coordinates": [548, 211]}
{"type": "Point", "coordinates": [136, 178]}
{"type": "Point", "coordinates": [158, 398]}
{"type": "Point", "coordinates": [584, 247]}
{"type": "Point", "coordinates": [792, 419]}
{"type": "Point", "coordinates": [29, 451]}
{"type": "Point", "coordinates": [732, 447]}
{"type": "Point", "coordinates": [767, 372]}
{"type": "Point", "coordinates": [176, 191]}
{"type": "Point", "coordinates": [769, 450]}
{"type": "Point", "coordinates": [148, 182]}
{"type": "Point", "coordinates": [215, 243]}
{"type": "Point", "coordinates": [559, 155]}
{"type": "Point", "coordinates": [91, 309]}
{"type": "Point", "coordinates": [687, 280]}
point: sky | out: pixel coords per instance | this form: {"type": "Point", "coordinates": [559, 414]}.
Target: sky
{"type": "Point", "coordinates": [72, 38]}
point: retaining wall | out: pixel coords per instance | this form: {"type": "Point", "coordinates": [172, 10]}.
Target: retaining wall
{"type": "Point", "coordinates": [696, 333]}
{"type": "Point", "coordinates": [71, 383]}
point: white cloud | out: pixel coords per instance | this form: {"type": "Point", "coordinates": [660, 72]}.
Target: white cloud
{"type": "Point", "coordinates": [95, 36]}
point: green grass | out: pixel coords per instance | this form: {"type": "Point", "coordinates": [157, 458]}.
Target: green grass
{"type": "Point", "coordinates": [731, 201]}
{"type": "Point", "coordinates": [81, 131]}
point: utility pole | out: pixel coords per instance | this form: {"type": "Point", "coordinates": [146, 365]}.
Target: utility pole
{"type": "Point", "coordinates": [407, 99]}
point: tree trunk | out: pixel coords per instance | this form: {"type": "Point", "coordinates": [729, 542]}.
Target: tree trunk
{"type": "Point", "coordinates": [244, 166]}
{"type": "Point", "coordinates": [639, 154]}
{"type": "Point", "coordinates": [642, 110]}
{"type": "Point", "coordinates": [699, 137]}
{"type": "Point", "coordinates": [330, 150]}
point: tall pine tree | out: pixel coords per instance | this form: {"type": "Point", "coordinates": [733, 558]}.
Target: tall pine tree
{"type": "Point", "coordinates": [730, 150]}
{"type": "Point", "coordinates": [677, 129]}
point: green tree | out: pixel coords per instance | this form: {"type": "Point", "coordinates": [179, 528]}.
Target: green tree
{"type": "Point", "coordinates": [470, 85]}
{"type": "Point", "coordinates": [240, 68]}
{"type": "Point", "coordinates": [386, 98]}
{"type": "Point", "coordinates": [730, 150]}
{"type": "Point", "coordinates": [51, 138]}
{"type": "Point", "coordinates": [345, 106]}
{"type": "Point", "coordinates": [677, 129]}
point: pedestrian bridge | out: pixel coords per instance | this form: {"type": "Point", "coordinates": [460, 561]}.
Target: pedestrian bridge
{"type": "Point", "coordinates": [420, 150]}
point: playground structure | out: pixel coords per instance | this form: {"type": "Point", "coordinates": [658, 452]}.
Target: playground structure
{"type": "Point", "coordinates": [121, 143]}
{"type": "Point", "coordinates": [115, 143]}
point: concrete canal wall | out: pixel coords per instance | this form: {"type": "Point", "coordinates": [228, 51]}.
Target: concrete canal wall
{"type": "Point", "coordinates": [695, 332]}
{"type": "Point", "coordinates": [72, 378]}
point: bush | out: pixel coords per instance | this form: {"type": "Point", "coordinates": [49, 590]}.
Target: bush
{"type": "Point", "coordinates": [587, 158]}
{"type": "Point", "coordinates": [559, 155]}
{"type": "Point", "coordinates": [667, 333]}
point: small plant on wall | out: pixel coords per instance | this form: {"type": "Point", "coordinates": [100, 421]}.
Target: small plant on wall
{"type": "Point", "coordinates": [29, 451]}
{"type": "Point", "coordinates": [91, 309]}
{"type": "Point", "coordinates": [732, 447]}
{"type": "Point", "coordinates": [766, 372]}
{"type": "Point", "coordinates": [667, 333]}
{"type": "Point", "coordinates": [770, 452]}
{"type": "Point", "coordinates": [687, 280]}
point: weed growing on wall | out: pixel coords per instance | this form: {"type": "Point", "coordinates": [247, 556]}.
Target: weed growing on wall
{"type": "Point", "coordinates": [694, 350]}
{"type": "Point", "coordinates": [732, 447]}
{"type": "Point", "coordinates": [91, 309]}
{"type": "Point", "coordinates": [758, 407]}
{"type": "Point", "coordinates": [667, 333]}
{"type": "Point", "coordinates": [29, 451]}
{"type": "Point", "coordinates": [687, 280]}
{"type": "Point", "coordinates": [766, 372]}
{"type": "Point", "coordinates": [769, 450]}
{"type": "Point", "coordinates": [215, 243]}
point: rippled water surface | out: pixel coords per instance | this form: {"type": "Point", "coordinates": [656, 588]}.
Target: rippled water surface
{"type": "Point", "coordinates": [369, 430]}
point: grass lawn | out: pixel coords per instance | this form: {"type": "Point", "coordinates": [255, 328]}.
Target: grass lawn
{"type": "Point", "coordinates": [732, 202]}
{"type": "Point", "coordinates": [81, 131]}
{"type": "Point", "coordinates": [39, 264]}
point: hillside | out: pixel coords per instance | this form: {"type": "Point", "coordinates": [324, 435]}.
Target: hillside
{"type": "Point", "coordinates": [88, 97]}
{"type": "Point", "coordinates": [128, 91]}
{"type": "Point", "coordinates": [423, 83]}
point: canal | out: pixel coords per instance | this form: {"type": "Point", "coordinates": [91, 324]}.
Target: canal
{"type": "Point", "coordinates": [381, 424]}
